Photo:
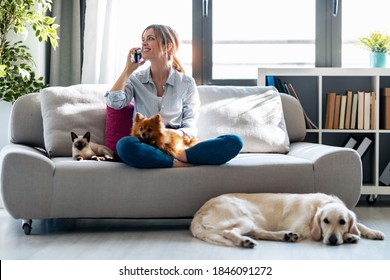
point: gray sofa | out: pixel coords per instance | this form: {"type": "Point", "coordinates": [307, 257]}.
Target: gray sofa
{"type": "Point", "coordinates": [36, 186]}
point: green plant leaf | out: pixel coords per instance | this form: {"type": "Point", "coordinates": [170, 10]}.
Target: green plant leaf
{"type": "Point", "coordinates": [375, 42]}
{"type": "Point", "coordinates": [17, 75]}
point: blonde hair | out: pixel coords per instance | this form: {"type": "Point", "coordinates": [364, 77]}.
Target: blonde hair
{"type": "Point", "coordinates": [166, 35]}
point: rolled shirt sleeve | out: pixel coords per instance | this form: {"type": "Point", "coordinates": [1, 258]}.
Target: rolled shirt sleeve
{"type": "Point", "coordinates": [191, 106]}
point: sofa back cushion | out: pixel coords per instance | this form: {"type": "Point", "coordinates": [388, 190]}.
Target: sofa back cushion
{"type": "Point", "coordinates": [27, 122]}
{"type": "Point", "coordinates": [26, 125]}
{"type": "Point", "coordinates": [294, 118]}
{"type": "Point", "coordinates": [78, 108]}
{"type": "Point", "coordinates": [254, 113]}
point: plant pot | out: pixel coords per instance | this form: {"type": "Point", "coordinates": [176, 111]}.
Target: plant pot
{"type": "Point", "coordinates": [378, 59]}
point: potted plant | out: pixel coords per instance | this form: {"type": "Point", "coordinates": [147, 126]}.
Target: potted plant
{"type": "Point", "coordinates": [17, 75]}
{"type": "Point", "coordinates": [378, 44]}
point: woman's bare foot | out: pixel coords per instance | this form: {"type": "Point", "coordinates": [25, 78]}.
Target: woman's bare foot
{"type": "Point", "coordinates": [178, 163]}
{"type": "Point", "coordinates": [181, 156]}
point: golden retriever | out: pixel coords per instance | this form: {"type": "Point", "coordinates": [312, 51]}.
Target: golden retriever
{"type": "Point", "coordinates": [240, 219]}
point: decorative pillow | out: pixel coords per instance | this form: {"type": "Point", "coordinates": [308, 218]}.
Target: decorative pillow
{"type": "Point", "coordinates": [254, 113]}
{"type": "Point", "coordinates": [118, 124]}
{"type": "Point", "coordinates": [78, 108]}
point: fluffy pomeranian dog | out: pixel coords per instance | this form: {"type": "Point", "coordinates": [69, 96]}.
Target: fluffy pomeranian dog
{"type": "Point", "coordinates": [153, 132]}
{"type": "Point", "coordinates": [83, 149]}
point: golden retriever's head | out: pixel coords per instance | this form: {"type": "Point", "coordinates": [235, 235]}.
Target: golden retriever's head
{"type": "Point", "coordinates": [335, 223]}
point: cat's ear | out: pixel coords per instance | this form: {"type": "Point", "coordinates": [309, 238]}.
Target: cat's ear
{"type": "Point", "coordinates": [73, 135]}
{"type": "Point", "coordinates": [87, 136]}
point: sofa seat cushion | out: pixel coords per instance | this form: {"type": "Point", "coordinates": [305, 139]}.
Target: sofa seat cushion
{"type": "Point", "coordinates": [110, 189]}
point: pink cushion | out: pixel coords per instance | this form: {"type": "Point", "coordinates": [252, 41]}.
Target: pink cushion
{"type": "Point", "coordinates": [118, 124]}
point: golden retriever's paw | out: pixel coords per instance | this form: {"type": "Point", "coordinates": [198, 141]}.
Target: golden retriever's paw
{"type": "Point", "coordinates": [248, 243]}
{"type": "Point", "coordinates": [374, 235]}
{"type": "Point", "coordinates": [291, 237]}
{"type": "Point", "coordinates": [350, 238]}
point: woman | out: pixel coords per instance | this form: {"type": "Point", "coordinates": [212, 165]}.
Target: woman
{"type": "Point", "coordinates": [164, 88]}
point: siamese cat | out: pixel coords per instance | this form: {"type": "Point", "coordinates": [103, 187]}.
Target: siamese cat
{"type": "Point", "coordinates": [83, 149]}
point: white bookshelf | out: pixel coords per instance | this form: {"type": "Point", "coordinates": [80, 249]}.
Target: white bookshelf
{"type": "Point", "coordinates": [312, 86]}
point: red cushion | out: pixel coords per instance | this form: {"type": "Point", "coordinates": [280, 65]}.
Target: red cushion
{"type": "Point", "coordinates": [118, 124]}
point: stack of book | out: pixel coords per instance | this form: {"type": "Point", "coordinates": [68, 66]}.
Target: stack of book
{"type": "Point", "coordinates": [353, 110]}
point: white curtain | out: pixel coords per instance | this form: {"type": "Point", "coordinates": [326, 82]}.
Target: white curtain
{"type": "Point", "coordinates": [113, 27]}
{"type": "Point", "coordinates": [97, 37]}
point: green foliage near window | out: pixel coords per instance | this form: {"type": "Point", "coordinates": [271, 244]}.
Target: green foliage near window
{"type": "Point", "coordinates": [17, 75]}
{"type": "Point", "coordinates": [376, 42]}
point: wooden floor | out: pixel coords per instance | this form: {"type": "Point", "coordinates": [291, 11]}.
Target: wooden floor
{"type": "Point", "coordinates": [170, 240]}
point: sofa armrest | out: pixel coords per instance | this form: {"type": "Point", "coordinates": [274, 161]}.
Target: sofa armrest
{"type": "Point", "coordinates": [26, 181]}
{"type": "Point", "coordinates": [336, 169]}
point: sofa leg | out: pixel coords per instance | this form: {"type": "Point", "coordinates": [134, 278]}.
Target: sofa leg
{"type": "Point", "coordinates": [26, 225]}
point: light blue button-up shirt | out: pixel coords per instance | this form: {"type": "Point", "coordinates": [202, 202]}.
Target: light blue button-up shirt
{"type": "Point", "coordinates": [179, 105]}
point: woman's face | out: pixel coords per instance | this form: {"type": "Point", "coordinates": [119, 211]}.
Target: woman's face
{"type": "Point", "coordinates": [150, 46]}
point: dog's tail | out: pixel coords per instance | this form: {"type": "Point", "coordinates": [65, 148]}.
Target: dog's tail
{"type": "Point", "coordinates": [208, 235]}
{"type": "Point", "coordinates": [190, 141]}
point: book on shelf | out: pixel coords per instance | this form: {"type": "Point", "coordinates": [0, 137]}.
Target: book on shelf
{"type": "Point", "coordinates": [330, 109]}
{"type": "Point", "coordinates": [270, 81]}
{"type": "Point", "coordinates": [348, 109]}
{"type": "Point", "coordinates": [360, 112]}
{"type": "Point", "coordinates": [363, 146]}
{"type": "Point", "coordinates": [373, 113]}
{"type": "Point", "coordinates": [343, 103]}
{"type": "Point", "coordinates": [279, 85]}
{"type": "Point", "coordinates": [351, 142]}
{"type": "Point", "coordinates": [367, 110]}
{"type": "Point", "coordinates": [354, 111]}
{"type": "Point", "coordinates": [336, 118]}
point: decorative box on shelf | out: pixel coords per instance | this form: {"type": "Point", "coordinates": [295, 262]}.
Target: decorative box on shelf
{"type": "Point", "coordinates": [385, 108]}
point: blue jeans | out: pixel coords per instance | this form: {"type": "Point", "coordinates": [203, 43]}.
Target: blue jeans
{"type": "Point", "coordinates": [210, 152]}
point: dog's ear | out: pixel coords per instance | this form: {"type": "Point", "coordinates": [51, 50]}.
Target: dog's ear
{"type": "Point", "coordinates": [138, 117]}
{"type": "Point", "coordinates": [315, 230]}
{"type": "Point", "coordinates": [352, 226]}
{"type": "Point", "coordinates": [156, 118]}
{"type": "Point", "coordinates": [87, 136]}
{"type": "Point", "coordinates": [73, 135]}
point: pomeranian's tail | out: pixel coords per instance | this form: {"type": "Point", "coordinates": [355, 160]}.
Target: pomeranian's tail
{"type": "Point", "coordinates": [190, 141]}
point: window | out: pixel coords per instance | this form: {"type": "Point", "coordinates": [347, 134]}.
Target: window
{"type": "Point", "coordinates": [251, 33]}
{"type": "Point", "coordinates": [239, 37]}
{"type": "Point", "coordinates": [225, 41]}
{"type": "Point", "coordinates": [359, 19]}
